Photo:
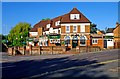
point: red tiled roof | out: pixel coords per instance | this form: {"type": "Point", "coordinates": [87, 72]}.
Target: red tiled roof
{"type": "Point", "coordinates": [96, 35]}
{"type": "Point", "coordinates": [40, 24]}
{"type": "Point", "coordinates": [63, 19]}
{"type": "Point", "coordinates": [66, 18]}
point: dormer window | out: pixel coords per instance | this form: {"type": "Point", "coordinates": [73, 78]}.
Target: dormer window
{"type": "Point", "coordinates": [74, 16]}
{"type": "Point", "coordinates": [57, 23]}
{"type": "Point", "coordinates": [48, 25]}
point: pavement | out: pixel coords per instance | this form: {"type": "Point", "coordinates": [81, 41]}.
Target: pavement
{"type": "Point", "coordinates": [103, 65]}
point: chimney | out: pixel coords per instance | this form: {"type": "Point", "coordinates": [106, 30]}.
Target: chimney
{"type": "Point", "coordinates": [117, 24]}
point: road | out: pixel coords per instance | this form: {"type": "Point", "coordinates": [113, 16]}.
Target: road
{"type": "Point", "coordinates": [102, 65]}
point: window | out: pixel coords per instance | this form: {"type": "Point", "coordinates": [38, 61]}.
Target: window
{"type": "Point", "coordinates": [67, 28]}
{"type": "Point", "coordinates": [57, 23]}
{"type": "Point", "coordinates": [58, 40]}
{"type": "Point", "coordinates": [74, 16]}
{"type": "Point", "coordinates": [95, 41]}
{"type": "Point", "coordinates": [67, 40]}
{"type": "Point", "coordinates": [40, 43]}
{"type": "Point", "coordinates": [48, 25]}
{"type": "Point", "coordinates": [75, 28]}
{"type": "Point", "coordinates": [82, 40]}
{"type": "Point", "coordinates": [82, 28]}
{"type": "Point", "coordinates": [51, 40]}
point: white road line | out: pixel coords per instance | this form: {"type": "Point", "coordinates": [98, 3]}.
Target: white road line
{"type": "Point", "coordinates": [8, 66]}
{"type": "Point", "coordinates": [105, 62]}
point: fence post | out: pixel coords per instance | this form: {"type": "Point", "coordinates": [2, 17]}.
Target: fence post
{"type": "Point", "coordinates": [30, 50]}
{"type": "Point", "coordinates": [40, 50]}
{"type": "Point", "coordinates": [24, 48]}
{"type": "Point", "coordinates": [52, 49]}
{"type": "Point", "coordinates": [14, 50]}
{"type": "Point", "coordinates": [79, 49]}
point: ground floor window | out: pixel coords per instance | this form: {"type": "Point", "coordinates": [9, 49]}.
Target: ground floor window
{"type": "Point", "coordinates": [94, 41]}
{"type": "Point", "coordinates": [82, 40]}
{"type": "Point", "coordinates": [67, 40]}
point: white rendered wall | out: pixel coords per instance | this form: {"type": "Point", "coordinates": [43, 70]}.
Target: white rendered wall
{"type": "Point", "coordinates": [34, 33]}
{"type": "Point", "coordinates": [110, 43]}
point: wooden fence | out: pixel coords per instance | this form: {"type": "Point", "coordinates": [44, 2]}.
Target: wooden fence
{"type": "Point", "coordinates": [36, 50]}
{"type": "Point", "coordinates": [40, 50]}
{"type": "Point", "coordinates": [85, 49]}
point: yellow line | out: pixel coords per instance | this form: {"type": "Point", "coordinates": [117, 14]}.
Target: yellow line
{"type": "Point", "coordinates": [110, 61]}
{"type": "Point", "coordinates": [105, 62]}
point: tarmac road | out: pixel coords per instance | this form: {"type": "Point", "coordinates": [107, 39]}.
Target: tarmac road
{"type": "Point", "coordinates": [102, 65]}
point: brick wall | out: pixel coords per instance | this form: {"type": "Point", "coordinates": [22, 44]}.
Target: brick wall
{"type": "Point", "coordinates": [37, 50]}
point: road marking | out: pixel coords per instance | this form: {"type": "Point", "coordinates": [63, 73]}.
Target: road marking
{"type": "Point", "coordinates": [60, 70]}
{"type": "Point", "coordinates": [8, 66]}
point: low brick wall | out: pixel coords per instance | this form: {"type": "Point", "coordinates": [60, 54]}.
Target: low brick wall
{"type": "Point", "coordinates": [42, 50]}
{"type": "Point", "coordinates": [117, 45]}
{"type": "Point", "coordinates": [36, 50]}
{"type": "Point", "coordinates": [10, 51]}
{"type": "Point", "coordinates": [59, 49]}
{"type": "Point", "coordinates": [85, 49]}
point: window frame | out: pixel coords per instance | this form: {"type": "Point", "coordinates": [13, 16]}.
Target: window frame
{"type": "Point", "coordinates": [48, 26]}
{"type": "Point", "coordinates": [74, 29]}
{"type": "Point", "coordinates": [94, 41]}
{"type": "Point", "coordinates": [67, 29]}
{"type": "Point", "coordinates": [74, 16]}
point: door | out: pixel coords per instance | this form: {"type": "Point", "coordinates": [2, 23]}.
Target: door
{"type": "Point", "coordinates": [105, 43]}
{"type": "Point", "coordinates": [74, 42]}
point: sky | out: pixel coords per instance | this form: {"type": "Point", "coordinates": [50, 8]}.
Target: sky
{"type": "Point", "coordinates": [104, 14]}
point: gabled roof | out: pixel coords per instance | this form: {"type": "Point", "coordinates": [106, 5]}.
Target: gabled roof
{"type": "Point", "coordinates": [55, 20]}
{"type": "Point", "coordinates": [110, 30]}
{"type": "Point", "coordinates": [40, 24]}
{"type": "Point", "coordinates": [96, 36]}
{"type": "Point", "coordinates": [63, 19]}
{"type": "Point", "coordinates": [66, 17]}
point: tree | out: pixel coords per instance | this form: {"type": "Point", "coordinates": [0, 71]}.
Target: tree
{"type": "Point", "coordinates": [45, 19]}
{"type": "Point", "coordinates": [93, 28]}
{"type": "Point", "coordinates": [18, 34]}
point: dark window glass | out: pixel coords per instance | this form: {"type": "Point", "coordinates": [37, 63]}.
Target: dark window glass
{"type": "Point", "coordinates": [82, 40]}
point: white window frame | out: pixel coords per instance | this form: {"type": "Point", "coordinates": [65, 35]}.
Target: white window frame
{"type": "Point", "coordinates": [48, 25]}
{"type": "Point", "coordinates": [72, 16]}
{"type": "Point", "coordinates": [57, 23]}
{"type": "Point", "coordinates": [74, 30]}
{"type": "Point", "coordinates": [94, 41]}
{"type": "Point", "coordinates": [67, 30]}
{"type": "Point", "coordinates": [82, 28]}
{"type": "Point", "coordinates": [51, 40]}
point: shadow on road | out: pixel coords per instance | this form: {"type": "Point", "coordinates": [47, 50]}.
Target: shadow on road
{"type": "Point", "coordinates": [49, 68]}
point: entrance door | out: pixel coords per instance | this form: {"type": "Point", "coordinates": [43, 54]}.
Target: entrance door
{"type": "Point", "coordinates": [105, 43]}
{"type": "Point", "coordinates": [74, 42]}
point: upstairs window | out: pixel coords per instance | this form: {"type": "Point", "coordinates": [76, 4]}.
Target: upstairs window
{"type": "Point", "coordinates": [74, 28]}
{"type": "Point", "coordinates": [74, 16]}
{"type": "Point", "coordinates": [57, 23]}
{"type": "Point", "coordinates": [48, 25]}
{"type": "Point", "coordinates": [67, 28]}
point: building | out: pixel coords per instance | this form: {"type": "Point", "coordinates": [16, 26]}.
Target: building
{"type": "Point", "coordinates": [71, 30]}
{"type": "Point", "coordinates": [109, 38]}
{"type": "Point", "coordinates": [116, 33]}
